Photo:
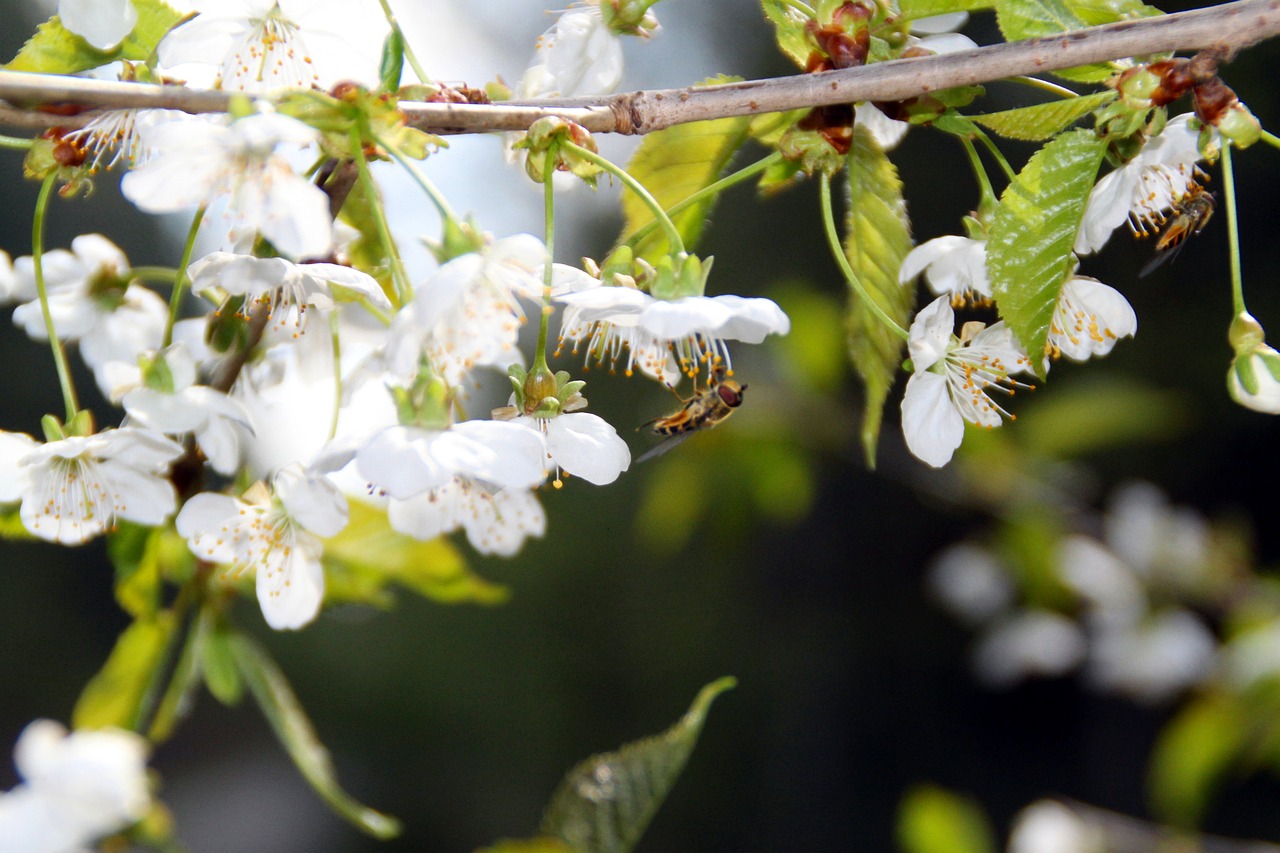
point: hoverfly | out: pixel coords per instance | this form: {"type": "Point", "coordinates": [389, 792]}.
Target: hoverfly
{"type": "Point", "coordinates": [1190, 214]}
{"type": "Point", "coordinates": [703, 410]}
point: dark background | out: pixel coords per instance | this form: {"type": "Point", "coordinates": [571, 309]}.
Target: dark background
{"type": "Point", "coordinates": [853, 686]}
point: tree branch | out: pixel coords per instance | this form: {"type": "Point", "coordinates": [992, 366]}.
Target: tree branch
{"type": "Point", "coordinates": [1230, 26]}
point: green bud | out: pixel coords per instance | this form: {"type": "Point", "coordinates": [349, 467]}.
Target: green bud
{"type": "Point", "coordinates": [1240, 126]}
{"type": "Point", "coordinates": [1254, 379]}
{"type": "Point", "coordinates": [1246, 333]}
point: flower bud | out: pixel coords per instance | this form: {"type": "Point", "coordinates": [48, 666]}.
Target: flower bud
{"type": "Point", "coordinates": [1254, 379]}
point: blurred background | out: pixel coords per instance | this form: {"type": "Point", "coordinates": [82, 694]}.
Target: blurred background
{"type": "Point", "coordinates": [765, 550]}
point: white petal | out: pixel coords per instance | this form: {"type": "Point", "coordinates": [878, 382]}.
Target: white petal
{"type": "Point", "coordinates": [931, 424]}
{"type": "Point", "coordinates": [102, 23]}
{"type": "Point", "coordinates": [752, 320]}
{"type": "Point", "coordinates": [290, 594]}
{"type": "Point", "coordinates": [294, 216]}
{"type": "Point", "coordinates": [930, 334]}
{"type": "Point", "coordinates": [140, 497]}
{"type": "Point", "coordinates": [507, 520]}
{"type": "Point", "coordinates": [14, 476]}
{"type": "Point", "coordinates": [680, 318]}
{"type": "Point", "coordinates": [324, 275]}
{"type": "Point", "coordinates": [312, 499]}
{"type": "Point", "coordinates": [398, 460]}
{"type": "Point", "coordinates": [203, 521]}
{"type": "Point", "coordinates": [887, 132]}
{"type": "Point", "coordinates": [505, 454]}
{"type": "Point", "coordinates": [587, 446]}
{"type": "Point", "coordinates": [947, 23]}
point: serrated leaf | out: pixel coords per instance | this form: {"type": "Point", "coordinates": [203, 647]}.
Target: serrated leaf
{"type": "Point", "coordinates": [368, 556]}
{"type": "Point", "coordinates": [281, 708]}
{"type": "Point", "coordinates": [113, 697]}
{"type": "Point", "coordinates": [1097, 12]}
{"type": "Point", "coordinates": [1041, 121]}
{"type": "Point", "coordinates": [913, 9]}
{"type": "Point", "coordinates": [1193, 754]}
{"type": "Point", "coordinates": [933, 820]}
{"type": "Point", "coordinates": [877, 238]}
{"type": "Point", "coordinates": [673, 164]}
{"type": "Point", "coordinates": [605, 803]}
{"type": "Point", "coordinates": [1025, 19]}
{"type": "Point", "coordinates": [788, 29]}
{"type": "Point", "coordinates": [56, 50]}
{"type": "Point", "coordinates": [1029, 252]}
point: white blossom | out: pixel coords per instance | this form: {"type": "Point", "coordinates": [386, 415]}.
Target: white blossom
{"type": "Point", "coordinates": [888, 132]}
{"type": "Point", "coordinates": [1049, 827]}
{"type": "Point", "coordinates": [1154, 659]}
{"type": "Point", "coordinates": [582, 444]}
{"type": "Point", "coordinates": [274, 534]}
{"type": "Point", "coordinates": [952, 265]}
{"type": "Point", "coordinates": [75, 488]}
{"type": "Point", "coordinates": [577, 56]}
{"type": "Point", "coordinates": [102, 23]}
{"type": "Point", "coordinates": [1031, 643]}
{"type": "Point", "coordinates": [971, 583]}
{"type": "Point", "coordinates": [113, 136]}
{"type": "Point", "coordinates": [1089, 319]}
{"type": "Point", "coordinates": [495, 522]}
{"type": "Point", "coordinates": [1254, 379]}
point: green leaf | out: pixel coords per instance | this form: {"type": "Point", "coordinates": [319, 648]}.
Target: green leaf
{"type": "Point", "coordinates": [532, 845]}
{"type": "Point", "coordinates": [367, 556]}
{"type": "Point", "coordinates": [933, 820]}
{"type": "Point", "coordinates": [1193, 754]}
{"type": "Point", "coordinates": [1041, 121]}
{"type": "Point", "coordinates": [56, 50]}
{"type": "Point", "coordinates": [218, 661]}
{"type": "Point", "coordinates": [912, 9]}
{"type": "Point", "coordinates": [1025, 19]}
{"type": "Point", "coordinates": [605, 803]}
{"type": "Point", "coordinates": [1104, 413]}
{"type": "Point", "coordinates": [281, 708]}
{"type": "Point", "coordinates": [138, 577]}
{"type": "Point", "coordinates": [114, 696]}
{"type": "Point", "coordinates": [877, 238]}
{"type": "Point", "coordinates": [673, 164]}
{"type": "Point", "coordinates": [1029, 253]}
{"type": "Point", "coordinates": [788, 29]}
{"type": "Point", "coordinates": [1097, 12]}
{"type": "Point", "coordinates": [11, 526]}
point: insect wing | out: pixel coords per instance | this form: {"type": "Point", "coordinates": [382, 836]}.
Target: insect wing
{"type": "Point", "coordinates": [1168, 253]}
{"type": "Point", "coordinates": [663, 446]}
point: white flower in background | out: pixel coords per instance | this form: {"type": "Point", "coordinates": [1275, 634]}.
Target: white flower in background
{"type": "Point", "coordinates": [577, 56]}
{"type": "Point", "coordinates": [1164, 545]}
{"type": "Point", "coordinates": [971, 583]}
{"type": "Point", "coordinates": [286, 288]}
{"type": "Point", "coordinates": [182, 407]}
{"type": "Point", "coordinates": [581, 444]}
{"type": "Point", "coordinates": [1049, 827]}
{"type": "Point", "coordinates": [495, 522]}
{"type": "Point", "coordinates": [112, 136]}
{"type": "Point", "coordinates": [693, 328]}
{"type": "Point", "coordinates": [1106, 583]}
{"type": "Point", "coordinates": [1154, 659]}
{"type": "Point", "coordinates": [92, 303]}
{"type": "Point", "coordinates": [102, 23]}
{"type": "Point", "coordinates": [76, 788]}
{"type": "Point", "coordinates": [1144, 189]}
{"type": "Point", "coordinates": [275, 534]}
{"type": "Point", "coordinates": [939, 39]}
{"type": "Point", "coordinates": [8, 280]}
{"type": "Point", "coordinates": [262, 45]}
{"type": "Point", "coordinates": [1030, 643]}
{"type": "Point", "coordinates": [75, 488]}
{"type": "Point", "coordinates": [468, 313]}
{"type": "Point", "coordinates": [1089, 318]}
{"type": "Point", "coordinates": [952, 265]}
{"type": "Point", "coordinates": [952, 379]}
{"type": "Point", "coordinates": [198, 162]}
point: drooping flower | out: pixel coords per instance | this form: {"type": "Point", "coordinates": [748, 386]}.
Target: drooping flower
{"type": "Point", "coordinates": [952, 379]}
{"type": "Point", "coordinates": [577, 56]}
{"type": "Point", "coordinates": [92, 302]}
{"type": "Point", "coordinates": [102, 23]}
{"type": "Point", "coordinates": [171, 402]}
{"type": "Point", "coordinates": [1144, 189]}
{"type": "Point", "coordinates": [76, 788]}
{"type": "Point", "coordinates": [114, 136]}
{"type": "Point", "coordinates": [198, 162]}
{"type": "Point", "coordinates": [952, 265]}
{"type": "Point", "coordinates": [75, 488]}
{"type": "Point", "coordinates": [1254, 379]}
{"type": "Point", "coordinates": [938, 38]}
{"type": "Point", "coordinates": [276, 534]}
{"type": "Point", "coordinates": [1089, 319]}
{"type": "Point", "coordinates": [286, 288]}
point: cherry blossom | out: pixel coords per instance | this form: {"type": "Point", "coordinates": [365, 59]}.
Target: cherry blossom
{"type": "Point", "coordinates": [582, 444]}
{"type": "Point", "coordinates": [1089, 319]}
{"type": "Point", "coordinates": [577, 56]}
{"type": "Point", "coordinates": [951, 265]}
{"type": "Point", "coordinates": [102, 23]}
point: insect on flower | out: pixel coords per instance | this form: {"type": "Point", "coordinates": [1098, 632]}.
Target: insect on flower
{"type": "Point", "coordinates": [703, 410]}
{"type": "Point", "coordinates": [1190, 214]}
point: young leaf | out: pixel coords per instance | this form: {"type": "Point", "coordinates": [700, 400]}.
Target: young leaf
{"type": "Point", "coordinates": [1025, 19]}
{"type": "Point", "coordinates": [1041, 121]}
{"type": "Point", "coordinates": [1029, 253]}
{"type": "Point", "coordinates": [56, 50]}
{"type": "Point", "coordinates": [281, 708]}
{"type": "Point", "coordinates": [604, 804]}
{"type": "Point", "coordinates": [1097, 12]}
{"type": "Point", "coordinates": [218, 661]}
{"type": "Point", "coordinates": [788, 27]}
{"type": "Point", "coordinates": [532, 845]}
{"type": "Point", "coordinates": [368, 556]}
{"type": "Point", "coordinates": [1193, 754]}
{"type": "Point", "coordinates": [877, 238]}
{"type": "Point", "coordinates": [933, 820]}
{"type": "Point", "coordinates": [114, 696]}
{"type": "Point", "coordinates": [912, 9]}
{"type": "Point", "coordinates": [673, 164]}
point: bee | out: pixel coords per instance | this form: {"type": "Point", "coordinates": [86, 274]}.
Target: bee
{"type": "Point", "coordinates": [1190, 215]}
{"type": "Point", "coordinates": [703, 410]}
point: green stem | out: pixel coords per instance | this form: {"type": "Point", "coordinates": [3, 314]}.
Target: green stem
{"type": "Point", "coordinates": [1271, 139]}
{"type": "Point", "coordinates": [15, 142]}
{"type": "Point", "coordinates": [833, 238]}
{"type": "Point", "coordinates": [709, 190]}
{"type": "Point", "coordinates": [673, 233]}
{"type": "Point", "coordinates": [988, 199]}
{"type": "Point", "coordinates": [167, 667]}
{"type": "Point", "coordinates": [181, 280]}
{"type": "Point", "coordinates": [163, 275]}
{"type": "Point", "coordinates": [408, 51]}
{"type": "Point", "coordinates": [1045, 85]}
{"type": "Point", "coordinates": [400, 281]}
{"type": "Point", "coordinates": [69, 399]}
{"type": "Point", "coordinates": [337, 374]}
{"type": "Point", "coordinates": [432, 191]}
{"type": "Point", "coordinates": [1233, 231]}
{"type": "Point", "coordinates": [996, 153]}
{"type": "Point", "coordinates": [549, 237]}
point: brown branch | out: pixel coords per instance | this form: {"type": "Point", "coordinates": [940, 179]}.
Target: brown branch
{"type": "Point", "coordinates": [1230, 26]}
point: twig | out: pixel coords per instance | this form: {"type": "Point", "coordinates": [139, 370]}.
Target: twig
{"type": "Point", "coordinates": [1230, 26]}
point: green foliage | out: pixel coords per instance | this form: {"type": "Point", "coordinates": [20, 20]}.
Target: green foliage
{"type": "Point", "coordinates": [1029, 253]}
{"type": "Point", "coordinates": [114, 696]}
{"type": "Point", "coordinates": [1196, 750]}
{"type": "Point", "coordinates": [56, 50]}
{"type": "Point", "coordinates": [1102, 414]}
{"type": "Point", "coordinates": [912, 9]}
{"type": "Point", "coordinates": [533, 845]}
{"type": "Point", "coordinates": [281, 708]}
{"type": "Point", "coordinates": [605, 803]}
{"type": "Point", "coordinates": [877, 238]}
{"type": "Point", "coordinates": [934, 820]}
{"type": "Point", "coordinates": [11, 526]}
{"type": "Point", "coordinates": [218, 661]}
{"type": "Point", "coordinates": [392, 63]}
{"type": "Point", "coordinates": [1026, 19]}
{"type": "Point", "coordinates": [368, 556]}
{"type": "Point", "coordinates": [1041, 121]}
{"type": "Point", "coordinates": [144, 557]}
{"type": "Point", "coordinates": [788, 29]}
{"type": "Point", "coordinates": [673, 164]}
{"type": "Point", "coordinates": [1097, 12]}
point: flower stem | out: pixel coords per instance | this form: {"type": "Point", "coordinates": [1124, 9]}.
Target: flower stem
{"type": "Point", "coordinates": [833, 238]}
{"type": "Point", "coordinates": [400, 281]}
{"type": "Point", "coordinates": [997, 155]}
{"type": "Point", "coordinates": [71, 403]}
{"type": "Point", "coordinates": [181, 280]}
{"type": "Point", "coordinates": [163, 275]}
{"type": "Point", "coordinates": [408, 51]}
{"type": "Point", "coordinates": [988, 199]}
{"type": "Point", "coordinates": [1045, 85]}
{"type": "Point", "coordinates": [337, 373]}
{"type": "Point", "coordinates": [17, 143]}
{"type": "Point", "coordinates": [432, 191]}
{"type": "Point", "coordinates": [673, 233]}
{"type": "Point", "coordinates": [1233, 231]}
{"type": "Point", "coordinates": [708, 191]}
{"type": "Point", "coordinates": [549, 238]}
